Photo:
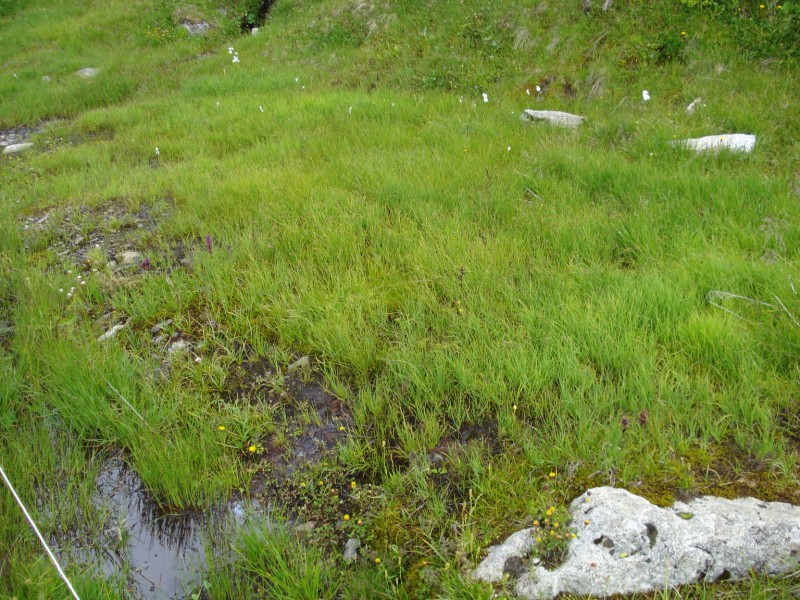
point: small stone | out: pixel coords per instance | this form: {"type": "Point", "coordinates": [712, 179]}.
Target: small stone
{"type": "Point", "coordinates": [178, 347]}
{"type": "Point", "coordinates": [351, 549]}
{"type": "Point", "coordinates": [554, 117]}
{"type": "Point", "coordinates": [111, 332]}
{"type": "Point", "coordinates": [304, 528]}
{"type": "Point", "coordinates": [156, 329]}
{"type": "Point", "coordinates": [16, 148]}
{"type": "Point", "coordinates": [87, 72]}
{"type": "Point", "coordinates": [130, 258]}
{"type": "Point", "coordinates": [158, 340]}
{"type": "Point", "coordinates": [254, 31]}
{"type": "Point", "coordinates": [300, 363]}
{"type": "Point", "coordinates": [196, 28]}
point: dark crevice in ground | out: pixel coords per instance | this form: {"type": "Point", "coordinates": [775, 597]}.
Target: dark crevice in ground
{"type": "Point", "coordinates": [256, 14]}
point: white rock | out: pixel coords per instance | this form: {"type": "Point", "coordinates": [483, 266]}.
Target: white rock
{"type": "Point", "coordinates": [15, 148]}
{"type": "Point", "coordinates": [516, 545]}
{"type": "Point", "coordinates": [87, 72]}
{"type": "Point", "coordinates": [735, 142]}
{"type": "Point", "coordinates": [693, 106]}
{"type": "Point", "coordinates": [554, 117]}
{"type": "Point", "coordinates": [627, 545]}
{"type": "Point", "coordinates": [111, 332]}
{"type": "Point", "coordinates": [254, 31]}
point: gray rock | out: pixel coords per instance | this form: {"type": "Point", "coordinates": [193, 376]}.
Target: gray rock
{"type": "Point", "coordinates": [178, 347]}
{"type": "Point", "coordinates": [300, 363]}
{"type": "Point", "coordinates": [735, 142]}
{"type": "Point", "coordinates": [156, 329]}
{"type": "Point", "coordinates": [627, 545]}
{"type": "Point", "coordinates": [16, 148]}
{"type": "Point", "coordinates": [130, 258]}
{"type": "Point", "coordinates": [87, 72]}
{"type": "Point", "coordinates": [196, 28]}
{"type": "Point", "coordinates": [351, 549]}
{"type": "Point", "coordinates": [305, 528]}
{"type": "Point", "coordinates": [554, 117]}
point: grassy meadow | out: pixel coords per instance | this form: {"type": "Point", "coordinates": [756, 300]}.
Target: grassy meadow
{"type": "Point", "coordinates": [507, 313]}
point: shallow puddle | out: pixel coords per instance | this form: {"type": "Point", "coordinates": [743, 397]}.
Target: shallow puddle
{"type": "Point", "coordinates": [158, 555]}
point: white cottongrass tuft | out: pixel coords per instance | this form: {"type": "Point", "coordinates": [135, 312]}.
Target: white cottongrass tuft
{"type": "Point", "coordinates": [645, 95]}
{"type": "Point", "coordinates": [485, 96]}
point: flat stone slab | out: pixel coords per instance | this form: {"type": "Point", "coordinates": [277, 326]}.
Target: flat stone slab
{"type": "Point", "coordinates": [15, 148]}
{"type": "Point", "coordinates": [87, 72]}
{"type": "Point", "coordinates": [554, 117]}
{"type": "Point", "coordinates": [627, 545]}
{"type": "Point", "coordinates": [735, 142]}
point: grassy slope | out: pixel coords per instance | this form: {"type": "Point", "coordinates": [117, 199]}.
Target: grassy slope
{"type": "Point", "coordinates": [372, 219]}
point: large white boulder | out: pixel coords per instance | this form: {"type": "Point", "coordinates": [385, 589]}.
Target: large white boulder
{"type": "Point", "coordinates": [627, 545]}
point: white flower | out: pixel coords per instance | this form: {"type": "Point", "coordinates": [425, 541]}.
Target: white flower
{"type": "Point", "coordinates": [230, 50]}
{"type": "Point", "coordinates": [296, 79]}
{"type": "Point", "coordinates": [485, 96]}
{"type": "Point", "coordinates": [157, 151]}
{"type": "Point", "coordinates": [83, 283]}
{"type": "Point", "coordinates": [350, 110]}
{"type": "Point", "coordinates": [538, 89]}
{"type": "Point", "coordinates": [509, 148]}
{"type": "Point", "coordinates": [528, 91]}
{"type": "Point", "coordinates": [69, 295]}
{"type": "Point", "coordinates": [645, 95]}
{"type": "Point", "coordinates": [261, 108]}
{"type": "Point", "coordinates": [197, 359]}
{"type": "Point", "coordinates": [461, 100]}
{"type": "Point", "coordinates": [235, 59]}
{"type": "Point", "coordinates": [60, 290]}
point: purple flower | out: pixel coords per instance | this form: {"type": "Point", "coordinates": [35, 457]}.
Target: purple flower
{"type": "Point", "coordinates": [625, 422]}
{"type": "Point", "coordinates": [146, 265]}
{"type": "Point", "coordinates": [209, 242]}
{"type": "Point", "coordinates": [643, 418]}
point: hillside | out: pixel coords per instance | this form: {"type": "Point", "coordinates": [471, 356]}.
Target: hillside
{"type": "Point", "coordinates": [265, 293]}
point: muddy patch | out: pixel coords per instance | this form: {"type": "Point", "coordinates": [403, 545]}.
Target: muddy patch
{"type": "Point", "coordinates": [111, 236]}
{"type": "Point", "coordinates": [314, 420]}
{"type": "Point", "coordinates": [155, 554]}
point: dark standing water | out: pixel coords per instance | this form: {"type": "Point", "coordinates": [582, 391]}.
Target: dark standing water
{"type": "Point", "coordinates": [159, 555]}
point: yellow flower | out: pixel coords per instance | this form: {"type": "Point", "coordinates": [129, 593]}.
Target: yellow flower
{"type": "Point", "coordinates": [536, 523]}
{"type": "Point", "coordinates": [221, 427]}
{"type": "Point", "coordinates": [586, 522]}
{"type": "Point", "coordinates": [341, 428]}
{"type": "Point", "coordinates": [760, 6]}
{"type": "Point", "coordinates": [555, 525]}
{"type": "Point", "coordinates": [552, 474]}
{"type": "Point", "coordinates": [538, 540]}
{"type": "Point", "coordinates": [352, 485]}
{"type": "Point", "coordinates": [360, 522]}
{"type": "Point", "coordinates": [377, 561]}
{"type": "Point", "coordinates": [574, 536]}
{"type": "Point", "coordinates": [683, 33]}
{"type": "Point", "coordinates": [252, 449]}
{"type": "Point", "coordinates": [320, 482]}
{"type": "Point", "coordinates": [347, 517]}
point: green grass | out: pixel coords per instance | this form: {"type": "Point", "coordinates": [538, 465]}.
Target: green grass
{"type": "Point", "coordinates": [443, 263]}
